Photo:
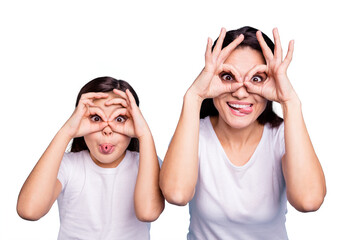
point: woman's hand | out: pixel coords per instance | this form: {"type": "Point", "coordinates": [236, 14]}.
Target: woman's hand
{"type": "Point", "coordinates": [208, 84]}
{"type": "Point", "coordinates": [276, 86]}
{"type": "Point", "coordinates": [127, 120]}
{"type": "Point", "coordinates": [85, 119]}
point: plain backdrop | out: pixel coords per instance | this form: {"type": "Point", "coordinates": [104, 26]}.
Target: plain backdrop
{"type": "Point", "coordinates": [50, 49]}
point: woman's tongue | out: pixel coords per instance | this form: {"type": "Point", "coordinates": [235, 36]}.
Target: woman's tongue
{"type": "Point", "coordinates": [243, 109]}
{"type": "Point", "coordinates": [106, 148]}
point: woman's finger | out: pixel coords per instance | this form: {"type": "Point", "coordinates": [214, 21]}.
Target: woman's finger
{"type": "Point", "coordinates": [256, 69]}
{"type": "Point", "coordinates": [229, 48]}
{"type": "Point", "coordinates": [219, 42]}
{"type": "Point", "coordinates": [289, 54]}
{"type": "Point", "coordinates": [264, 47]}
{"type": "Point", "coordinates": [208, 50]}
{"type": "Point", "coordinates": [253, 88]}
{"type": "Point", "coordinates": [231, 70]}
{"type": "Point", "coordinates": [278, 53]}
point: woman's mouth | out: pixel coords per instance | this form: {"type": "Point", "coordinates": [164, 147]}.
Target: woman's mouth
{"type": "Point", "coordinates": [240, 109]}
{"type": "Point", "coordinates": [106, 148]}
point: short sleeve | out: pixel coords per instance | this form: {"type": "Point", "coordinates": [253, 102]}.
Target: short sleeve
{"type": "Point", "coordinates": [65, 170]}
{"type": "Point", "coordinates": [280, 140]}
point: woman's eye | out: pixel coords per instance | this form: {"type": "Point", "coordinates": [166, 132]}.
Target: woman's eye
{"type": "Point", "coordinates": [120, 119]}
{"type": "Point", "coordinates": [227, 77]}
{"type": "Point", "coordinates": [95, 118]}
{"type": "Point", "coordinates": [256, 79]}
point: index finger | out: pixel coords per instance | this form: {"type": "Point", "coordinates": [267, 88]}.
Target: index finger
{"type": "Point", "coordinates": [229, 48]}
{"type": "Point", "coordinates": [264, 47]}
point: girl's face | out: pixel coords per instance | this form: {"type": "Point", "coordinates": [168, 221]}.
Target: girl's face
{"type": "Point", "coordinates": [241, 108]}
{"type": "Point", "coordinates": [107, 148]}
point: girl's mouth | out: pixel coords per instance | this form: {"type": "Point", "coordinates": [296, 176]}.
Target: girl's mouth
{"type": "Point", "coordinates": [106, 148]}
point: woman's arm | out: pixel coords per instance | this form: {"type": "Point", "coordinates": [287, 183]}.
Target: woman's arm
{"type": "Point", "coordinates": [41, 188]}
{"type": "Point", "coordinates": [179, 172]}
{"type": "Point", "coordinates": [305, 180]}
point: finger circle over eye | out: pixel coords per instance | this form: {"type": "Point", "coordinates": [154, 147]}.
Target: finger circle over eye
{"type": "Point", "coordinates": [256, 69]}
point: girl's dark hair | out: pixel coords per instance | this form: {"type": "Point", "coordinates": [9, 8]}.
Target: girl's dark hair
{"type": "Point", "coordinates": [104, 84]}
{"type": "Point", "coordinates": [250, 40]}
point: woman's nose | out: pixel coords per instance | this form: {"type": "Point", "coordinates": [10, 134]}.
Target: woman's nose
{"type": "Point", "coordinates": [241, 93]}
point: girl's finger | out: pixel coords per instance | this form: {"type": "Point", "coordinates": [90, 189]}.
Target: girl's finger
{"type": "Point", "coordinates": [92, 95]}
{"type": "Point", "coordinates": [219, 42]}
{"type": "Point", "coordinates": [118, 112]}
{"type": "Point", "coordinates": [229, 48]}
{"type": "Point", "coordinates": [264, 47]}
{"type": "Point", "coordinates": [120, 93]}
{"type": "Point", "coordinates": [131, 98]}
{"type": "Point", "coordinates": [289, 54]}
{"type": "Point", "coordinates": [278, 49]}
{"type": "Point", "coordinates": [117, 101]}
{"type": "Point", "coordinates": [99, 112]}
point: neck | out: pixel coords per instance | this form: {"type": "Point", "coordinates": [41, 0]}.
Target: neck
{"type": "Point", "coordinates": [236, 137]}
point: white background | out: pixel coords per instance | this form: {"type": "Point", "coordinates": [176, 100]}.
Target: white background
{"type": "Point", "coordinates": [49, 50]}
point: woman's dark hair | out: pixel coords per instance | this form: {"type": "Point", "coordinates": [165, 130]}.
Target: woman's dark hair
{"type": "Point", "coordinates": [104, 84]}
{"type": "Point", "coordinates": [250, 40]}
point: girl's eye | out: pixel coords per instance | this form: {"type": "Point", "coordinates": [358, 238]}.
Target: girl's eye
{"type": "Point", "coordinates": [227, 77]}
{"type": "Point", "coordinates": [95, 118]}
{"type": "Point", "coordinates": [256, 79]}
{"type": "Point", "coordinates": [120, 119]}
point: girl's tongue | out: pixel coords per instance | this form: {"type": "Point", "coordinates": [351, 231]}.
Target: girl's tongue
{"type": "Point", "coordinates": [106, 148]}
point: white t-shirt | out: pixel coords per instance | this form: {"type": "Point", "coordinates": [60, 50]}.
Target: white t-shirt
{"type": "Point", "coordinates": [98, 203]}
{"type": "Point", "coordinates": [239, 202]}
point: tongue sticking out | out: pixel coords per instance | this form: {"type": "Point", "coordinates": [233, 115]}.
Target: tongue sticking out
{"type": "Point", "coordinates": [106, 148]}
{"type": "Point", "coordinates": [245, 110]}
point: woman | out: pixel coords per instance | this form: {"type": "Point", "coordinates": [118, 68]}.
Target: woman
{"type": "Point", "coordinates": [233, 165]}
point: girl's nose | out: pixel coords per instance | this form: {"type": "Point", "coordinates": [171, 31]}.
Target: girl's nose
{"type": "Point", "coordinates": [107, 131]}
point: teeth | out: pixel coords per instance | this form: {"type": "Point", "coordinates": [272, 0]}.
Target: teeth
{"type": "Point", "coordinates": [239, 106]}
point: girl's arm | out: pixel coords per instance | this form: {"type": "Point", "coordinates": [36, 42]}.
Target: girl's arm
{"type": "Point", "coordinates": [179, 172]}
{"type": "Point", "coordinates": [304, 177]}
{"type": "Point", "coordinates": [42, 187]}
{"type": "Point", "coordinates": [148, 199]}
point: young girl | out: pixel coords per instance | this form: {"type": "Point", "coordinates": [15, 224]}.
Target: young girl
{"type": "Point", "coordinates": [109, 180]}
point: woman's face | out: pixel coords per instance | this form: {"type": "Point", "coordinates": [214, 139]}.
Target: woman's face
{"type": "Point", "coordinates": [107, 148]}
{"type": "Point", "coordinates": [241, 108]}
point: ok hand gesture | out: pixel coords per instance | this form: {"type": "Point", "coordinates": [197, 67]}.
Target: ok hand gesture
{"type": "Point", "coordinates": [277, 86]}
{"type": "Point", "coordinates": [83, 121]}
{"type": "Point", "coordinates": [208, 84]}
{"type": "Point", "coordinates": [127, 120]}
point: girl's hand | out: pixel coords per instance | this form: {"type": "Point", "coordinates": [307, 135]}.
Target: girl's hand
{"type": "Point", "coordinates": [87, 118]}
{"type": "Point", "coordinates": [276, 86]}
{"type": "Point", "coordinates": [128, 120]}
{"type": "Point", "coordinates": [209, 84]}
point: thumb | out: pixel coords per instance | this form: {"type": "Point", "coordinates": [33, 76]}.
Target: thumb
{"type": "Point", "coordinates": [252, 88]}
{"type": "Point", "coordinates": [232, 87]}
